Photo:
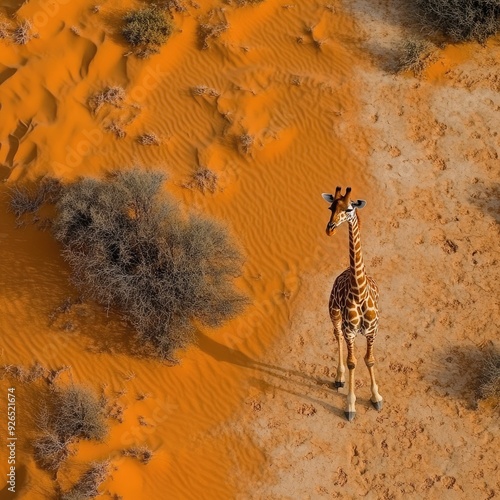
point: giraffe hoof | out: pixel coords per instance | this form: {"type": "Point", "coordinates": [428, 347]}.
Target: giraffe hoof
{"type": "Point", "coordinates": [338, 384]}
{"type": "Point", "coordinates": [378, 405]}
{"type": "Point", "coordinates": [350, 415]}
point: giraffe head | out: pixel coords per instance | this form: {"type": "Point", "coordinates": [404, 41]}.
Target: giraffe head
{"type": "Point", "coordinates": [343, 209]}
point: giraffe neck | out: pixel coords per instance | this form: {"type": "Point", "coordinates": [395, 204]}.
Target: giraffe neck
{"type": "Point", "coordinates": [357, 265]}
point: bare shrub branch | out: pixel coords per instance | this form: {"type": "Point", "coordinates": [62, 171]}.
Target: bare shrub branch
{"type": "Point", "coordinates": [87, 486]}
{"type": "Point", "coordinates": [460, 20]}
{"type": "Point", "coordinates": [204, 179]}
{"type": "Point", "coordinates": [142, 453]}
{"type": "Point", "coordinates": [114, 95]}
{"type": "Point", "coordinates": [72, 413]}
{"type": "Point", "coordinates": [490, 377]}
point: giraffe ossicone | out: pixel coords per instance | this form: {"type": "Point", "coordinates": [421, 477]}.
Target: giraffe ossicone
{"type": "Point", "coordinates": [353, 302]}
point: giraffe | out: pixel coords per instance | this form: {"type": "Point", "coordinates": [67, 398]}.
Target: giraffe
{"type": "Point", "coordinates": [353, 301]}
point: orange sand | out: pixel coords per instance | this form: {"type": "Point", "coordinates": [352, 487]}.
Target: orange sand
{"type": "Point", "coordinates": [284, 73]}
{"type": "Point", "coordinates": [268, 197]}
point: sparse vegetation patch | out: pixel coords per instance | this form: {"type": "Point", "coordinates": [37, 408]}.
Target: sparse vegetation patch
{"type": "Point", "coordinates": [460, 20]}
{"type": "Point", "coordinates": [147, 28]}
{"type": "Point", "coordinates": [414, 56]}
{"type": "Point", "coordinates": [130, 247]}
{"type": "Point", "coordinates": [87, 486]}
{"type": "Point", "coordinates": [72, 413]}
{"type": "Point", "coordinates": [490, 377]}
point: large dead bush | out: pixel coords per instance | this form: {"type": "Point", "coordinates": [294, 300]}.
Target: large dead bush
{"type": "Point", "coordinates": [130, 247]}
{"type": "Point", "coordinates": [460, 20]}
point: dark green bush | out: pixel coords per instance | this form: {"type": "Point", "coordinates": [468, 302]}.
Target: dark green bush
{"type": "Point", "coordinates": [147, 28]}
{"type": "Point", "coordinates": [129, 246]}
{"type": "Point", "coordinates": [460, 20]}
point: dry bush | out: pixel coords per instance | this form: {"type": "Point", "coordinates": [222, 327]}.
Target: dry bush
{"type": "Point", "coordinates": [414, 56]}
{"type": "Point", "coordinates": [204, 180]}
{"type": "Point", "coordinates": [129, 247]}
{"type": "Point", "coordinates": [175, 5]}
{"type": "Point", "coordinates": [5, 29]}
{"type": "Point", "coordinates": [114, 95]}
{"type": "Point", "coordinates": [142, 453]}
{"type": "Point", "coordinates": [204, 90]}
{"type": "Point", "coordinates": [245, 143]}
{"type": "Point", "coordinates": [149, 139]}
{"type": "Point", "coordinates": [79, 414]}
{"type": "Point", "coordinates": [70, 414]}
{"type": "Point", "coordinates": [459, 20]}
{"type": "Point", "coordinates": [489, 386]}
{"type": "Point", "coordinates": [147, 28]}
{"type": "Point", "coordinates": [22, 34]}
{"type": "Point", "coordinates": [25, 199]}
{"type": "Point", "coordinates": [50, 451]}
{"type": "Point", "coordinates": [117, 129]}
{"type": "Point", "coordinates": [87, 486]}
{"type": "Point", "coordinates": [209, 31]}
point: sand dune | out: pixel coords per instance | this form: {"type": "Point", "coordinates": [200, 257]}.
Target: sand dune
{"type": "Point", "coordinates": [288, 102]}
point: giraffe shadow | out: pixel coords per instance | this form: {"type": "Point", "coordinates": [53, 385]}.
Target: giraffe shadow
{"type": "Point", "coordinates": [290, 381]}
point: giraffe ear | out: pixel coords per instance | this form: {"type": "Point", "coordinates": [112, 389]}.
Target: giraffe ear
{"type": "Point", "coordinates": [328, 197]}
{"type": "Point", "coordinates": [358, 203]}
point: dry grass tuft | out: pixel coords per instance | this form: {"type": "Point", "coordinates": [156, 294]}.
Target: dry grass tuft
{"type": "Point", "coordinates": [210, 31]}
{"type": "Point", "coordinates": [175, 5]}
{"type": "Point", "coordinates": [246, 143]}
{"type": "Point", "coordinates": [114, 95]}
{"type": "Point", "coordinates": [5, 29]}
{"type": "Point", "coordinates": [204, 180]}
{"type": "Point", "coordinates": [23, 33]}
{"type": "Point", "coordinates": [142, 453]}
{"type": "Point", "coordinates": [199, 90]}
{"type": "Point", "coordinates": [149, 139]}
{"type": "Point", "coordinates": [116, 128]}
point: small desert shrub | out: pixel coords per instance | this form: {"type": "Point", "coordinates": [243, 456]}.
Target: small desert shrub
{"type": "Point", "coordinates": [72, 413]}
{"type": "Point", "coordinates": [24, 199]}
{"type": "Point", "coordinates": [147, 28]}
{"type": "Point", "coordinates": [204, 180]}
{"type": "Point", "coordinates": [490, 377]}
{"type": "Point", "coordinates": [87, 486]}
{"type": "Point", "coordinates": [210, 30]}
{"type": "Point", "coordinates": [130, 247]}
{"type": "Point", "coordinates": [142, 453]}
{"type": "Point", "coordinates": [114, 95]}
{"type": "Point", "coordinates": [148, 139]}
{"type": "Point", "coordinates": [460, 20]}
{"type": "Point", "coordinates": [204, 90]}
{"type": "Point", "coordinates": [23, 34]}
{"type": "Point", "coordinates": [78, 415]}
{"type": "Point", "coordinates": [4, 29]}
{"type": "Point", "coordinates": [414, 55]}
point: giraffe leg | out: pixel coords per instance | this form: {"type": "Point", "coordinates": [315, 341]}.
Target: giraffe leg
{"type": "Point", "coordinates": [337, 330]}
{"type": "Point", "coordinates": [350, 413]}
{"type": "Point", "coordinates": [376, 398]}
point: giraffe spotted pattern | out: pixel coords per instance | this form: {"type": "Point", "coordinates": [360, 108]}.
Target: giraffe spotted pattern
{"type": "Point", "coordinates": [353, 302]}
